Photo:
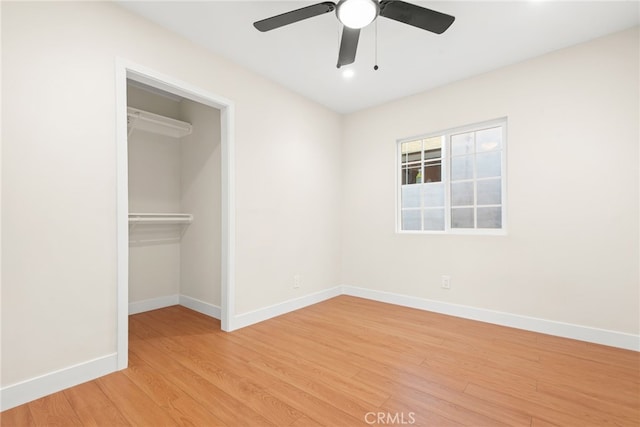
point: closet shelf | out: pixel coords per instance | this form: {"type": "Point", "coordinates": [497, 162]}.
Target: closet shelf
{"type": "Point", "coordinates": [160, 218]}
{"type": "Point", "coordinates": [155, 123]}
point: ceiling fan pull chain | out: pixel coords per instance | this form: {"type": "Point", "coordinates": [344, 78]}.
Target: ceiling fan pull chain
{"type": "Point", "coordinates": [375, 65]}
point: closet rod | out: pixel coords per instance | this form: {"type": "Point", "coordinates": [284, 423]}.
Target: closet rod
{"type": "Point", "coordinates": [166, 218]}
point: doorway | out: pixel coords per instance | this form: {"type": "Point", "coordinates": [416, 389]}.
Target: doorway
{"type": "Point", "coordinates": [196, 100]}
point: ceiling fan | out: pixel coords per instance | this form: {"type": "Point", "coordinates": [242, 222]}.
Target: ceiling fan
{"type": "Point", "coordinates": [357, 14]}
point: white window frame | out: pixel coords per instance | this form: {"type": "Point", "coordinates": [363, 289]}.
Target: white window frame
{"type": "Point", "coordinates": [446, 179]}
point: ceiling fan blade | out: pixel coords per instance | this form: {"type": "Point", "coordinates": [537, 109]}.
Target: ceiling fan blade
{"type": "Point", "coordinates": [348, 46]}
{"type": "Point", "coordinates": [294, 16]}
{"type": "Point", "coordinates": [416, 16]}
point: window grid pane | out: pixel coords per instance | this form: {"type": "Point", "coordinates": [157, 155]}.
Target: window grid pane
{"type": "Point", "coordinates": [467, 164]}
{"type": "Point", "coordinates": [475, 179]}
{"type": "Point", "coordinates": [422, 189]}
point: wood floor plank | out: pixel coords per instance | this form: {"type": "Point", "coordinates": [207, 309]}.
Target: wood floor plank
{"type": "Point", "coordinates": [229, 410]}
{"type": "Point", "coordinates": [359, 345]}
{"type": "Point", "coordinates": [410, 413]}
{"type": "Point", "coordinates": [347, 402]}
{"type": "Point", "coordinates": [314, 408]}
{"type": "Point", "coordinates": [561, 411]}
{"type": "Point", "coordinates": [306, 422]}
{"type": "Point", "coordinates": [407, 374]}
{"type": "Point", "coordinates": [181, 407]}
{"type": "Point", "coordinates": [316, 373]}
{"type": "Point", "coordinates": [53, 410]}
{"type": "Point", "coordinates": [610, 355]}
{"type": "Point", "coordinates": [425, 402]}
{"type": "Point", "coordinates": [275, 363]}
{"type": "Point", "coordinates": [17, 417]}
{"type": "Point", "coordinates": [291, 354]}
{"type": "Point", "coordinates": [196, 353]}
{"type": "Point", "coordinates": [537, 422]}
{"type": "Point", "coordinates": [138, 330]}
{"type": "Point", "coordinates": [381, 320]}
{"type": "Point", "coordinates": [361, 328]}
{"type": "Point", "coordinates": [93, 407]}
{"type": "Point", "coordinates": [342, 362]}
{"type": "Point", "coordinates": [302, 347]}
{"type": "Point", "coordinates": [599, 374]}
{"type": "Point", "coordinates": [459, 398]}
{"type": "Point", "coordinates": [471, 368]}
{"type": "Point", "coordinates": [132, 402]}
{"type": "Point", "coordinates": [606, 401]}
{"type": "Point", "coordinates": [233, 383]}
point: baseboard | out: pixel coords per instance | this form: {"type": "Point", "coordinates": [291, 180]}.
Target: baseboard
{"type": "Point", "coordinates": [249, 318]}
{"type": "Point", "coordinates": [200, 306]}
{"type": "Point", "coordinates": [38, 387]}
{"type": "Point", "coordinates": [169, 300]}
{"type": "Point", "coordinates": [35, 388]}
{"type": "Point", "coordinates": [550, 327]}
{"type": "Point", "coordinates": [153, 304]}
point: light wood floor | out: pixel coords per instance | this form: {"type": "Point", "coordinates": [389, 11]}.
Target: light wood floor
{"type": "Point", "coordinates": [346, 362]}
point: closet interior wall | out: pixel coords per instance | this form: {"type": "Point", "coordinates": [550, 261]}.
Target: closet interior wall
{"type": "Point", "coordinates": [168, 262]}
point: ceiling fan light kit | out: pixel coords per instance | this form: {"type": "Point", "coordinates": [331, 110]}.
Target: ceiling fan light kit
{"type": "Point", "coordinates": [357, 14]}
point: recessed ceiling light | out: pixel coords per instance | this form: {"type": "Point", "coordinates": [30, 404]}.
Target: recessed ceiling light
{"type": "Point", "coordinates": [348, 73]}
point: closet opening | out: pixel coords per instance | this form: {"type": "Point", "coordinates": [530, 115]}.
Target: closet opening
{"type": "Point", "coordinates": [175, 199]}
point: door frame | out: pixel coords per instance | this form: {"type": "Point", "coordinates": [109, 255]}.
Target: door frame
{"type": "Point", "coordinates": [129, 70]}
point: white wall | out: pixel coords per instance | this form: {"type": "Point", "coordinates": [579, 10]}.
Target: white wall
{"type": "Point", "coordinates": [156, 103]}
{"type": "Point", "coordinates": [59, 178]}
{"type": "Point", "coordinates": [154, 186]}
{"type": "Point", "coordinates": [200, 181]}
{"type": "Point", "coordinates": [571, 253]}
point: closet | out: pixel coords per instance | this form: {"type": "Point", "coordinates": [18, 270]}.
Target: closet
{"type": "Point", "coordinates": [174, 201]}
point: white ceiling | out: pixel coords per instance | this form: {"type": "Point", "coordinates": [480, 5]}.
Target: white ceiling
{"type": "Point", "coordinates": [302, 56]}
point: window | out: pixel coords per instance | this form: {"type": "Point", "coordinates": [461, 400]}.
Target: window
{"type": "Point", "coordinates": [454, 181]}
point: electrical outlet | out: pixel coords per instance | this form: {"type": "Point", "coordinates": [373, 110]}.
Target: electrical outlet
{"type": "Point", "coordinates": [446, 282]}
{"type": "Point", "coordinates": [296, 281]}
